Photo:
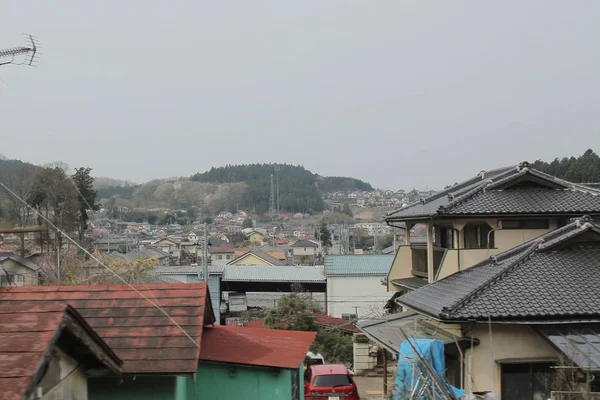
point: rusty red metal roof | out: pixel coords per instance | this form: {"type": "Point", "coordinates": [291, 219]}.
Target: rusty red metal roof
{"type": "Point", "coordinates": [26, 333]}
{"type": "Point", "coordinates": [321, 320]}
{"type": "Point", "coordinates": [256, 346]}
{"type": "Point", "coordinates": [140, 334]}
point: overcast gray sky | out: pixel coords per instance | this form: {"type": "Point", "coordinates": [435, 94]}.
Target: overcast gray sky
{"type": "Point", "coordinates": [399, 93]}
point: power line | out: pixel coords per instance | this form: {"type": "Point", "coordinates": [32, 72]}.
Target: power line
{"type": "Point", "coordinates": [99, 262]}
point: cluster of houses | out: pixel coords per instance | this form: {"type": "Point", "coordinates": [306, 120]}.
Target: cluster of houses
{"type": "Point", "coordinates": [377, 197]}
{"type": "Point", "coordinates": [505, 271]}
{"type": "Point", "coordinates": [507, 278]}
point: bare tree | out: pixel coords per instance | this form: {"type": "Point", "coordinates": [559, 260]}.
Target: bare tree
{"type": "Point", "coordinates": [19, 177]}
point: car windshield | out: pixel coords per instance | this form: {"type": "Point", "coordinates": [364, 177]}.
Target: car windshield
{"type": "Point", "coordinates": [331, 381]}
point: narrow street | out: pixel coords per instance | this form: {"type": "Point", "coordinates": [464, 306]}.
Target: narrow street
{"type": "Point", "coordinates": [371, 387]}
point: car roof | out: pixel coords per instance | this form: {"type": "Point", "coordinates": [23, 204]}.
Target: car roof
{"type": "Point", "coordinates": [329, 369]}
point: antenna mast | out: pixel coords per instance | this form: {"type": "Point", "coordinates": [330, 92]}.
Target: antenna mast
{"type": "Point", "coordinates": [272, 200]}
{"type": "Point", "coordinates": [277, 167]}
{"type": "Point", "coordinates": [29, 52]}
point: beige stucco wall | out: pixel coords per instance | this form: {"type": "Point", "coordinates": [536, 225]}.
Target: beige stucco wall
{"type": "Point", "coordinates": [365, 292]}
{"type": "Point", "coordinates": [401, 267]}
{"type": "Point", "coordinates": [250, 259]}
{"type": "Point", "coordinates": [511, 343]}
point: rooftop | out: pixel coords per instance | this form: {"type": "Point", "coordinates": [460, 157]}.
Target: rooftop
{"type": "Point", "coordinates": [27, 333]}
{"type": "Point", "coordinates": [134, 327]}
{"type": "Point", "coordinates": [260, 254]}
{"type": "Point", "coordinates": [256, 346]}
{"type": "Point", "coordinates": [378, 264]}
{"type": "Point", "coordinates": [505, 191]}
{"type": "Point", "coordinates": [270, 273]}
{"type": "Point", "coordinates": [552, 278]}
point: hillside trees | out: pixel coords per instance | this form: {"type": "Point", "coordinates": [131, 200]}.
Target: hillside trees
{"type": "Point", "coordinates": [585, 168]}
{"type": "Point", "coordinates": [84, 183]}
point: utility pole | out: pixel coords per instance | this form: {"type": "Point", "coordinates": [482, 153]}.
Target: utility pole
{"type": "Point", "coordinates": [272, 199]}
{"type": "Point", "coordinates": [205, 255]}
{"type": "Point", "coordinates": [277, 179]}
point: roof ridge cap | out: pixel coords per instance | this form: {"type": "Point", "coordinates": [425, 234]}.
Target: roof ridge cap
{"type": "Point", "coordinates": [465, 196]}
{"type": "Point", "coordinates": [500, 274]}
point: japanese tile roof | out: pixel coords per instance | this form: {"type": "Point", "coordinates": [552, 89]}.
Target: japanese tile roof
{"type": "Point", "coordinates": [256, 346]}
{"type": "Point", "coordinates": [260, 254]}
{"type": "Point", "coordinates": [270, 273]}
{"type": "Point", "coordinates": [552, 278]}
{"type": "Point", "coordinates": [28, 332]}
{"type": "Point", "coordinates": [221, 249]}
{"type": "Point", "coordinates": [140, 334]}
{"type": "Point", "coordinates": [18, 259]}
{"type": "Point", "coordinates": [378, 264]}
{"type": "Point", "coordinates": [505, 191]}
{"type": "Point", "coordinates": [219, 242]}
{"type": "Point", "coordinates": [304, 243]}
{"type": "Point", "coordinates": [319, 320]}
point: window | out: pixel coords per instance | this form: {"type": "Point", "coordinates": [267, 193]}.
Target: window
{"type": "Point", "coordinates": [525, 224]}
{"type": "Point", "coordinates": [477, 236]}
{"type": "Point", "coordinates": [446, 238]}
{"type": "Point", "coordinates": [527, 381]}
{"type": "Point", "coordinates": [331, 380]}
{"type": "Point", "coordinates": [219, 257]}
{"type": "Point", "coordinates": [12, 280]}
{"type": "Point", "coordinates": [228, 257]}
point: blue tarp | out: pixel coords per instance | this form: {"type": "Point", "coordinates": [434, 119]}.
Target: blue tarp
{"type": "Point", "coordinates": [406, 379]}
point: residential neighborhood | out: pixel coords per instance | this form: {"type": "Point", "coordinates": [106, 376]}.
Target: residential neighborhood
{"type": "Point", "coordinates": [266, 200]}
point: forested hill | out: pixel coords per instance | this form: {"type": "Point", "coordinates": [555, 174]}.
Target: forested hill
{"type": "Point", "coordinates": [299, 189]}
{"type": "Point", "coordinates": [585, 168]}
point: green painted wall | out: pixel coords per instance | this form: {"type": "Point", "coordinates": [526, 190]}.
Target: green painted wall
{"type": "Point", "coordinates": [140, 388]}
{"type": "Point", "coordinates": [225, 381]}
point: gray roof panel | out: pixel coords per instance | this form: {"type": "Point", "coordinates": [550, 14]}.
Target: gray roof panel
{"type": "Point", "coordinates": [270, 273]}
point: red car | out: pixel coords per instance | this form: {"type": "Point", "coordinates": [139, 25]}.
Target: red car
{"type": "Point", "coordinates": [329, 382]}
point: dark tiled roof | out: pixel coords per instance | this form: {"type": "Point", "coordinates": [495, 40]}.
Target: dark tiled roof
{"type": "Point", "coordinates": [304, 243]}
{"type": "Point", "coordinates": [136, 330]}
{"type": "Point", "coordinates": [256, 346]}
{"type": "Point", "coordinates": [529, 201]}
{"type": "Point", "coordinates": [508, 190]}
{"type": "Point", "coordinates": [554, 277]}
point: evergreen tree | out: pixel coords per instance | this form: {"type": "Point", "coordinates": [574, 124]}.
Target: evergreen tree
{"type": "Point", "coordinates": [84, 183]}
{"type": "Point", "coordinates": [324, 234]}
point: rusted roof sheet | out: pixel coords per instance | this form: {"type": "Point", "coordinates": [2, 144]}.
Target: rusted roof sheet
{"type": "Point", "coordinates": [140, 334]}
{"type": "Point", "coordinates": [26, 332]}
{"type": "Point", "coordinates": [256, 346]}
{"type": "Point", "coordinates": [321, 320]}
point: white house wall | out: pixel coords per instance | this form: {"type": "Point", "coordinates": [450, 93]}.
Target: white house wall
{"type": "Point", "coordinates": [346, 292]}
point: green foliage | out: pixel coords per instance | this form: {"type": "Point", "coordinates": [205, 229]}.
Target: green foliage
{"type": "Point", "coordinates": [334, 345]}
{"type": "Point", "coordinates": [292, 313]}
{"type": "Point", "coordinates": [323, 234]}
{"type": "Point", "coordinates": [297, 186]}
{"type": "Point", "coordinates": [340, 183]}
{"type": "Point", "coordinates": [585, 168]}
{"type": "Point", "coordinates": [121, 191]}
{"type": "Point", "coordinates": [84, 183]}
{"type": "Point", "coordinates": [346, 210]}
{"type": "Point", "coordinates": [247, 223]}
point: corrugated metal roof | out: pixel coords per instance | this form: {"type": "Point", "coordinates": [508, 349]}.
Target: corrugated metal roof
{"type": "Point", "coordinates": [270, 273]}
{"type": "Point", "coordinates": [187, 269]}
{"type": "Point", "coordinates": [256, 346]}
{"type": "Point", "coordinates": [136, 330]}
{"type": "Point", "coordinates": [377, 264]}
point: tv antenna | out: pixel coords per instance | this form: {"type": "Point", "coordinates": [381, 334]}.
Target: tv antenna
{"type": "Point", "coordinates": [29, 53]}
